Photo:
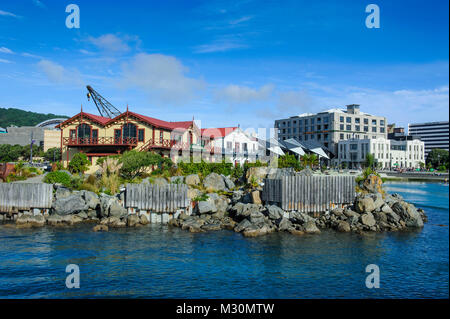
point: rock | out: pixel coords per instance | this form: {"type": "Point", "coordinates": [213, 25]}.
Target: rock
{"type": "Point", "coordinates": [349, 213]}
{"type": "Point", "coordinates": [144, 220]}
{"type": "Point", "coordinates": [368, 219]}
{"type": "Point", "coordinates": [274, 212]}
{"type": "Point", "coordinates": [206, 207]}
{"type": "Point", "coordinates": [409, 214]}
{"type": "Point", "coordinates": [27, 221]}
{"type": "Point", "coordinates": [256, 218]}
{"type": "Point", "coordinates": [284, 224]}
{"type": "Point", "coordinates": [132, 220]}
{"type": "Point", "coordinates": [116, 209]}
{"type": "Point", "coordinates": [192, 179]}
{"type": "Point", "coordinates": [392, 217]}
{"type": "Point", "coordinates": [228, 223]}
{"type": "Point", "coordinates": [62, 192]}
{"type": "Point", "coordinates": [91, 199]}
{"type": "Point", "coordinates": [343, 227]}
{"type": "Point", "coordinates": [380, 217]}
{"type": "Point", "coordinates": [372, 184]}
{"type": "Point", "coordinates": [386, 209]}
{"type": "Point", "coordinates": [228, 182]}
{"type": "Point", "coordinates": [307, 171]}
{"type": "Point", "coordinates": [296, 232]}
{"type": "Point", "coordinates": [211, 227]}
{"type": "Point", "coordinates": [176, 179]}
{"type": "Point", "coordinates": [82, 215]}
{"type": "Point", "coordinates": [160, 181]}
{"type": "Point", "coordinates": [277, 173]}
{"type": "Point", "coordinates": [254, 231]}
{"type": "Point", "coordinates": [257, 174]}
{"type": "Point", "coordinates": [54, 220]}
{"type": "Point", "coordinates": [100, 228]}
{"type": "Point", "coordinates": [214, 182]}
{"type": "Point", "coordinates": [364, 204]}
{"type": "Point", "coordinates": [378, 201]}
{"type": "Point", "coordinates": [193, 193]}
{"type": "Point", "coordinates": [70, 204]}
{"type": "Point", "coordinates": [311, 228]}
{"type": "Point", "coordinates": [244, 224]}
{"type": "Point", "coordinates": [301, 218]}
{"type": "Point", "coordinates": [256, 199]}
{"type": "Point", "coordinates": [338, 211]}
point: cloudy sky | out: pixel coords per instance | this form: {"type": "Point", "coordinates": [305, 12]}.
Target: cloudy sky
{"type": "Point", "coordinates": [227, 62]}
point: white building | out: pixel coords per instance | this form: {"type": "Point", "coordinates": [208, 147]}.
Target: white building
{"type": "Point", "coordinates": [434, 134]}
{"type": "Point", "coordinates": [389, 154]}
{"type": "Point", "coordinates": [231, 143]}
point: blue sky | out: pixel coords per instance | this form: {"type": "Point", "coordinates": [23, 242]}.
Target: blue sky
{"type": "Point", "coordinates": [227, 62]}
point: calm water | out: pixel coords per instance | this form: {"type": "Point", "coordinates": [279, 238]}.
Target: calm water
{"type": "Point", "coordinates": [161, 262]}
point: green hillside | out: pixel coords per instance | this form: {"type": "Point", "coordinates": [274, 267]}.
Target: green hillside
{"type": "Point", "coordinates": [19, 117]}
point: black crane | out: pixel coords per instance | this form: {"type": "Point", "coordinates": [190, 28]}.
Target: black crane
{"type": "Point", "coordinates": [105, 108]}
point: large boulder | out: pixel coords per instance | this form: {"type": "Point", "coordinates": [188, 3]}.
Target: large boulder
{"type": "Point", "coordinates": [301, 218]}
{"type": "Point", "coordinates": [408, 213]}
{"type": "Point", "coordinates": [311, 228]}
{"type": "Point", "coordinates": [364, 204]}
{"type": "Point", "coordinates": [71, 204]}
{"type": "Point", "coordinates": [241, 210]}
{"type": "Point", "coordinates": [117, 210]}
{"type": "Point", "coordinates": [372, 184]}
{"type": "Point", "coordinates": [192, 179]}
{"type": "Point", "coordinates": [214, 182]}
{"type": "Point", "coordinates": [206, 207]}
{"type": "Point", "coordinates": [132, 220]}
{"type": "Point", "coordinates": [160, 181]}
{"type": "Point", "coordinates": [228, 182]}
{"type": "Point", "coordinates": [368, 219]}
{"type": "Point", "coordinates": [284, 224]}
{"type": "Point", "coordinates": [256, 198]}
{"type": "Point", "coordinates": [91, 199]}
{"type": "Point", "coordinates": [257, 218]}
{"type": "Point", "coordinates": [274, 212]}
{"type": "Point", "coordinates": [343, 226]}
{"type": "Point", "coordinates": [257, 174]}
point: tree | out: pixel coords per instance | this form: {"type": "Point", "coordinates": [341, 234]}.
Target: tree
{"type": "Point", "coordinates": [288, 160]}
{"type": "Point", "coordinates": [370, 161]}
{"type": "Point", "coordinates": [309, 160]}
{"type": "Point", "coordinates": [53, 154]}
{"type": "Point", "coordinates": [79, 163]}
{"type": "Point", "coordinates": [10, 153]}
{"type": "Point", "coordinates": [135, 163]}
{"type": "Point", "coordinates": [438, 157]}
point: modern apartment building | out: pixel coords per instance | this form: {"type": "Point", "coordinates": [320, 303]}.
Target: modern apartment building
{"type": "Point", "coordinates": [332, 126]}
{"type": "Point", "coordinates": [434, 134]}
{"type": "Point", "coordinates": [405, 152]}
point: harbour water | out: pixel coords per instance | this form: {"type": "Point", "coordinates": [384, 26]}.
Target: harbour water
{"type": "Point", "coordinates": [163, 262]}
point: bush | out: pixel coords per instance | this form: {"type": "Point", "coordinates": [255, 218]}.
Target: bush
{"type": "Point", "coordinates": [289, 160]}
{"type": "Point", "coordinates": [135, 163]}
{"type": "Point", "coordinates": [79, 163]}
{"type": "Point", "coordinates": [203, 168]}
{"type": "Point", "coordinates": [58, 177]}
{"type": "Point", "coordinates": [258, 163]}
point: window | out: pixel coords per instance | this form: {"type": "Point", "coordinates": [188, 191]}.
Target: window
{"type": "Point", "coordinates": [84, 131]}
{"type": "Point", "coordinates": [374, 122]}
{"type": "Point", "coordinates": [325, 119]}
{"type": "Point", "coordinates": [161, 136]}
{"type": "Point", "coordinates": [357, 128]}
{"type": "Point", "coordinates": [306, 121]}
{"type": "Point", "coordinates": [349, 127]}
{"type": "Point", "coordinates": [353, 147]}
{"type": "Point", "coordinates": [73, 133]}
{"type": "Point", "coordinates": [229, 145]}
{"type": "Point", "coordinates": [366, 129]}
{"type": "Point", "coordinates": [341, 119]}
{"type": "Point", "coordinates": [244, 146]}
{"type": "Point", "coordinates": [325, 127]}
{"type": "Point", "coordinates": [381, 129]}
{"type": "Point", "coordinates": [348, 119]}
{"type": "Point", "coordinates": [312, 136]}
{"type": "Point", "coordinates": [341, 127]}
{"type": "Point", "coordinates": [312, 121]}
{"type": "Point", "coordinates": [341, 136]}
{"type": "Point", "coordinates": [374, 129]}
{"type": "Point", "coordinates": [319, 120]}
{"type": "Point", "coordinates": [319, 127]}
{"type": "Point", "coordinates": [318, 137]}
{"type": "Point", "coordinates": [294, 130]}
{"type": "Point", "coordinates": [357, 120]}
{"type": "Point", "coordinates": [141, 135]}
{"type": "Point", "coordinates": [366, 121]}
{"type": "Point", "coordinates": [382, 122]}
{"type": "Point", "coordinates": [129, 130]}
{"type": "Point", "coordinates": [95, 136]}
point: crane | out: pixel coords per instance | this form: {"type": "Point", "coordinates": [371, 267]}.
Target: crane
{"type": "Point", "coordinates": [105, 108]}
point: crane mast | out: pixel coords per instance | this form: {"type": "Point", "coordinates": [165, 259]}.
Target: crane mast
{"type": "Point", "coordinates": [105, 108]}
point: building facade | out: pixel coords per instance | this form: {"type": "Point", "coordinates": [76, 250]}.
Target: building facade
{"type": "Point", "coordinates": [230, 143]}
{"type": "Point", "coordinates": [406, 153]}
{"type": "Point", "coordinates": [331, 127]}
{"type": "Point", "coordinates": [434, 134]}
{"type": "Point", "coordinates": [98, 136]}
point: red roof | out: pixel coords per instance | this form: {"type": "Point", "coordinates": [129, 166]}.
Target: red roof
{"type": "Point", "coordinates": [150, 120]}
{"type": "Point", "coordinates": [217, 132]}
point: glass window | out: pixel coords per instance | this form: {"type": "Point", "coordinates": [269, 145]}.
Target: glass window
{"type": "Point", "coordinates": [357, 128]}
{"type": "Point", "coordinates": [141, 135]}
{"type": "Point", "coordinates": [341, 126]}
{"type": "Point", "coordinates": [382, 122]}
{"type": "Point", "coordinates": [341, 136]}
{"type": "Point", "coordinates": [374, 129]}
{"type": "Point", "coordinates": [348, 119]}
{"type": "Point", "coordinates": [366, 121]}
{"type": "Point", "coordinates": [366, 129]}
{"type": "Point", "coordinates": [357, 120]}
{"type": "Point", "coordinates": [341, 119]}
{"type": "Point", "coordinates": [349, 127]}
{"type": "Point", "coordinates": [374, 122]}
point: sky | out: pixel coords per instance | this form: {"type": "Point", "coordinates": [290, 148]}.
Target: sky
{"type": "Point", "coordinates": [227, 63]}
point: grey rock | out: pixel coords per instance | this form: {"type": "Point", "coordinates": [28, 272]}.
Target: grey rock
{"type": "Point", "coordinates": [160, 181]}
{"type": "Point", "coordinates": [206, 207]}
{"type": "Point", "coordinates": [91, 199]}
{"type": "Point", "coordinates": [176, 179]}
{"type": "Point", "coordinates": [368, 219]}
{"type": "Point", "coordinates": [214, 182]}
{"type": "Point", "coordinates": [192, 179]}
{"type": "Point", "coordinates": [256, 218]}
{"type": "Point", "coordinates": [132, 220]}
{"type": "Point", "coordinates": [311, 228]}
{"type": "Point", "coordinates": [116, 209]}
{"type": "Point", "coordinates": [364, 204]}
{"type": "Point", "coordinates": [70, 204]}
{"type": "Point", "coordinates": [244, 224]}
{"type": "Point", "coordinates": [284, 224]}
{"type": "Point", "coordinates": [228, 182]}
{"type": "Point", "coordinates": [274, 212]}
{"type": "Point", "coordinates": [343, 226]}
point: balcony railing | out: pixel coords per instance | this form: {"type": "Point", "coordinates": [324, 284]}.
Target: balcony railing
{"type": "Point", "coordinates": [86, 141]}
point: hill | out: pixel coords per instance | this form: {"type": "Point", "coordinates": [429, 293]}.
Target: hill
{"type": "Point", "coordinates": [19, 117]}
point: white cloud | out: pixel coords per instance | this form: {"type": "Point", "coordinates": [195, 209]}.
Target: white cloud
{"type": "Point", "coordinates": [8, 14]}
{"type": "Point", "coordinates": [243, 94]}
{"type": "Point", "coordinates": [5, 61]}
{"type": "Point", "coordinates": [29, 55]}
{"type": "Point", "coordinates": [113, 43]}
{"type": "Point", "coordinates": [162, 77]}
{"type": "Point", "coordinates": [39, 3]}
{"type": "Point", "coordinates": [240, 20]}
{"type": "Point", "coordinates": [6, 50]}
{"type": "Point", "coordinates": [219, 46]}
{"type": "Point", "coordinates": [56, 73]}
{"type": "Point", "coordinates": [295, 101]}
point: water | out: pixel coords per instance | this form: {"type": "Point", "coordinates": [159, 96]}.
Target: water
{"type": "Point", "coordinates": [162, 262]}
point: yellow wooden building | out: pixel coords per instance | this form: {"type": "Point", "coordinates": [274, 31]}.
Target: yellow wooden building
{"type": "Point", "coordinates": [98, 136]}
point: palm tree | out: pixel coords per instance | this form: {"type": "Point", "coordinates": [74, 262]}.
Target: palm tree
{"type": "Point", "coordinates": [309, 160]}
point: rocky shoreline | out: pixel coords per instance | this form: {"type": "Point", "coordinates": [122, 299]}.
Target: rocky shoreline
{"type": "Point", "coordinates": [220, 204]}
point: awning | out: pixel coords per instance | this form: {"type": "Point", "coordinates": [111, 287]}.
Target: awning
{"type": "Point", "coordinates": [293, 146]}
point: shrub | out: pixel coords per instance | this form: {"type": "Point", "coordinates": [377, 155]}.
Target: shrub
{"type": "Point", "coordinates": [289, 160]}
{"type": "Point", "coordinates": [58, 177]}
{"type": "Point", "coordinates": [79, 163]}
{"type": "Point", "coordinates": [200, 198]}
{"type": "Point", "coordinates": [257, 163]}
{"type": "Point", "coordinates": [135, 163]}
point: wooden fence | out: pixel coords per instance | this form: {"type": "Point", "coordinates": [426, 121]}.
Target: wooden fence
{"type": "Point", "coordinates": [309, 193]}
{"type": "Point", "coordinates": [160, 199]}
{"type": "Point", "coordinates": [25, 196]}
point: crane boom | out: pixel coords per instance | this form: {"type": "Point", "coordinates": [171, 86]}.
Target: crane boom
{"type": "Point", "coordinates": [105, 108]}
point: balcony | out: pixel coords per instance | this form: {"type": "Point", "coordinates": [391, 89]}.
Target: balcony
{"type": "Point", "coordinates": [99, 141]}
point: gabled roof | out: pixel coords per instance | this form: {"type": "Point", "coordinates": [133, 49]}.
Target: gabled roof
{"type": "Point", "coordinates": [97, 118]}
{"type": "Point", "coordinates": [218, 132]}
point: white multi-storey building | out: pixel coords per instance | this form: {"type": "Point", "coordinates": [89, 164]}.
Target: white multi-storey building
{"type": "Point", "coordinates": [434, 134]}
{"type": "Point", "coordinates": [403, 153]}
{"type": "Point", "coordinates": [231, 143]}
{"type": "Point", "coordinates": [330, 127]}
